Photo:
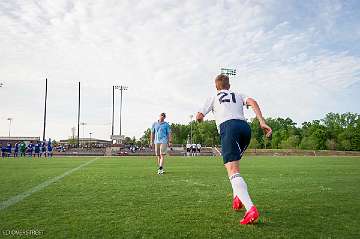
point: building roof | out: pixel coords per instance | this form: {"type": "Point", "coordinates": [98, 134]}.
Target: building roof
{"type": "Point", "coordinates": [19, 138]}
{"type": "Point", "coordinates": [93, 140]}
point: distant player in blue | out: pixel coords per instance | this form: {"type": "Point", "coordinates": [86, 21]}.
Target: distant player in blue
{"type": "Point", "coordinates": [37, 150]}
{"type": "Point", "coordinates": [30, 149]}
{"type": "Point", "coordinates": [160, 139]}
{"type": "Point", "coordinates": [8, 149]}
{"type": "Point", "coordinates": [16, 150]}
{"type": "Point", "coordinates": [49, 148]}
{"type": "Point", "coordinates": [3, 151]}
{"type": "Point", "coordinates": [43, 148]}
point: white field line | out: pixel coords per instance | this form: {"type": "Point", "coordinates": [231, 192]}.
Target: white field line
{"type": "Point", "coordinates": [13, 200]}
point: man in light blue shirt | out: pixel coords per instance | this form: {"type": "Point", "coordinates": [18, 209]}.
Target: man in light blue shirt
{"type": "Point", "coordinates": [160, 139]}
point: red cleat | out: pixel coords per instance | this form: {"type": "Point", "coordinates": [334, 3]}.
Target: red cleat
{"type": "Point", "coordinates": [251, 216]}
{"type": "Point", "coordinates": [237, 204]}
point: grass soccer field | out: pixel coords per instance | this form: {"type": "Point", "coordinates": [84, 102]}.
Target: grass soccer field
{"type": "Point", "coordinates": [298, 197]}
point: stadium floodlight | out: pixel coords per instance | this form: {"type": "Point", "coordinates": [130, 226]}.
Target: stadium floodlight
{"type": "Point", "coordinates": [73, 129]}
{"type": "Point", "coordinates": [228, 71]}
{"type": "Point", "coordinates": [121, 88]}
{"type": "Point", "coordinates": [9, 119]}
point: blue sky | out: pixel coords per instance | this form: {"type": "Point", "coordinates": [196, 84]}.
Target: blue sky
{"type": "Point", "coordinates": [298, 59]}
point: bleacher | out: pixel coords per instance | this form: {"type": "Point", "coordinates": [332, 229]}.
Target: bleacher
{"type": "Point", "coordinates": [120, 151]}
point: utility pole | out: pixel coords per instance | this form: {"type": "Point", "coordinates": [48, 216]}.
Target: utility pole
{"type": "Point", "coordinates": [90, 139]}
{"type": "Point", "coordinates": [73, 129]}
{"type": "Point", "coordinates": [113, 110]}
{"type": "Point", "coordinates": [46, 83]}
{"type": "Point", "coordinates": [78, 128]}
{"type": "Point", "coordinates": [121, 88]}
{"type": "Point", "coordinates": [10, 119]}
{"type": "Point", "coordinates": [83, 133]}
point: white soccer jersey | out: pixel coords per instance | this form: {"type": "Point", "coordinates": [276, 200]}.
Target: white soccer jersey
{"type": "Point", "coordinates": [225, 105]}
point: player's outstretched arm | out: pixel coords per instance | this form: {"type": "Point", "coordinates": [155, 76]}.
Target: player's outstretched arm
{"type": "Point", "coordinates": [208, 106]}
{"type": "Point", "coordinates": [254, 105]}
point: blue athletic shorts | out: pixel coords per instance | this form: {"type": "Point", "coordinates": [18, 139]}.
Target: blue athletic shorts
{"type": "Point", "coordinates": [235, 137]}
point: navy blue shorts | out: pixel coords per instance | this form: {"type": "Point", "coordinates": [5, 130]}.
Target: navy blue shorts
{"type": "Point", "coordinates": [235, 137]}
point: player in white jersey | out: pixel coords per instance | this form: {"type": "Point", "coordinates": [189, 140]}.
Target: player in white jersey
{"type": "Point", "coordinates": [198, 147]}
{"type": "Point", "coordinates": [235, 134]}
{"type": "Point", "coordinates": [188, 149]}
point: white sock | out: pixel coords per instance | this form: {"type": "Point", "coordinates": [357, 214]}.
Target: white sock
{"type": "Point", "coordinates": [240, 189]}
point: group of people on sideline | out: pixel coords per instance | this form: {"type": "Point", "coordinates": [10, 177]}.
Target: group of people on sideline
{"type": "Point", "coordinates": [193, 149]}
{"type": "Point", "coordinates": [20, 149]}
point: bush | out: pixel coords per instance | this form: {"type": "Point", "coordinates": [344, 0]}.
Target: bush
{"type": "Point", "coordinates": [331, 144]}
{"type": "Point", "coordinates": [307, 143]}
{"type": "Point", "coordinates": [254, 144]}
{"type": "Point", "coordinates": [291, 143]}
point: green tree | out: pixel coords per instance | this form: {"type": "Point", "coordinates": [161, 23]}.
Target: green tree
{"type": "Point", "coordinates": [54, 143]}
{"type": "Point", "coordinates": [291, 143]}
{"type": "Point", "coordinates": [254, 144]}
{"type": "Point", "coordinates": [72, 141]}
{"type": "Point", "coordinates": [127, 140]}
{"type": "Point", "coordinates": [307, 142]}
{"type": "Point", "coordinates": [331, 144]}
{"type": "Point", "coordinates": [334, 131]}
{"type": "Point", "coordinates": [276, 140]}
{"type": "Point", "coordinates": [145, 139]}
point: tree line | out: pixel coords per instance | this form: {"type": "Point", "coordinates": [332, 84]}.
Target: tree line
{"type": "Point", "coordinates": [334, 132]}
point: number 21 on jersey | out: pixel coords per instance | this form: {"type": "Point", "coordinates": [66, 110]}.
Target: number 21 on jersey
{"type": "Point", "coordinates": [225, 97]}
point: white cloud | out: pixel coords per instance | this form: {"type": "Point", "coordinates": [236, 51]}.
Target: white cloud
{"type": "Point", "coordinates": [168, 54]}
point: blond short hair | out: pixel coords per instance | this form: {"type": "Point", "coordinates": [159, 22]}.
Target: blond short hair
{"type": "Point", "coordinates": [222, 82]}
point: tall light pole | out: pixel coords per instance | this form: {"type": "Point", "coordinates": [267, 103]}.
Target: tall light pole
{"type": "Point", "coordinates": [46, 84]}
{"type": "Point", "coordinates": [73, 129]}
{"type": "Point", "coordinates": [9, 119]}
{"type": "Point", "coordinates": [90, 139]}
{"type": "Point", "coordinates": [113, 110]}
{"type": "Point", "coordinates": [1, 84]}
{"type": "Point", "coordinates": [78, 128]}
{"type": "Point", "coordinates": [121, 88]}
{"type": "Point", "coordinates": [191, 136]}
{"type": "Point", "coordinates": [83, 133]}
